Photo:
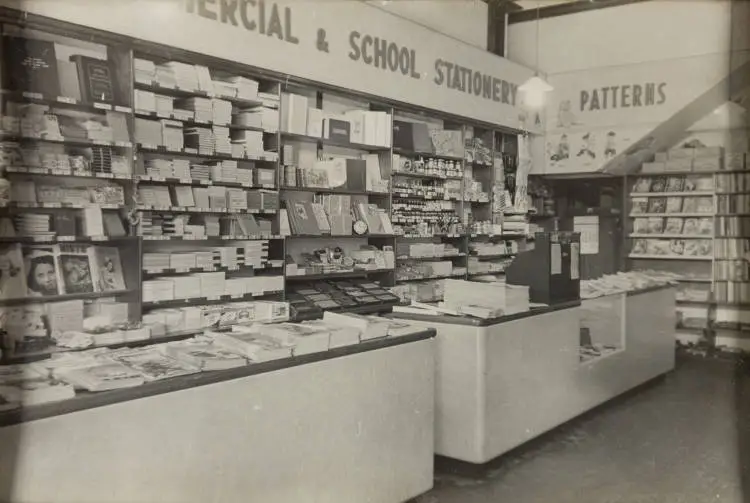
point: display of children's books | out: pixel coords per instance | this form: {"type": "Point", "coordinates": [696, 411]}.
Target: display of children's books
{"type": "Point", "coordinates": [640, 247]}
{"type": "Point", "coordinates": [658, 247]}
{"type": "Point", "coordinates": [690, 184]}
{"type": "Point", "coordinates": [640, 205]}
{"type": "Point", "coordinates": [41, 269]}
{"type": "Point", "coordinates": [657, 205]}
{"type": "Point", "coordinates": [107, 269]}
{"type": "Point", "coordinates": [705, 227]}
{"type": "Point", "coordinates": [640, 226]}
{"type": "Point", "coordinates": [675, 184]}
{"type": "Point", "coordinates": [673, 226]}
{"type": "Point", "coordinates": [705, 205]}
{"type": "Point", "coordinates": [642, 185]}
{"type": "Point", "coordinates": [677, 246]}
{"type": "Point", "coordinates": [658, 184]}
{"type": "Point", "coordinates": [12, 276]}
{"type": "Point", "coordinates": [674, 204]}
{"type": "Point", "coordinates": [698, 248]}
{"type": "Point", "coordinates": [689, 204]}
{"type": "Point", "coordinates": [75, 268]}
{"type": "Point", "coordinates": [655, 225]}
{"type": "Point", "coordinates": [691, 226]}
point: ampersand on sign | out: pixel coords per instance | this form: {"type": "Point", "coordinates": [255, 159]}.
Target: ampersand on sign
{"type": "Point", "coordinates": [322, 43]}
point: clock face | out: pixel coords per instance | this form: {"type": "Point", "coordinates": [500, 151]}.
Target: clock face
{"type": "Point", "coordinates": [360, 227]}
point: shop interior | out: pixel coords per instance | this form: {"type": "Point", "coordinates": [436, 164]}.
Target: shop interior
{"type": "Point", "coordinates": [367, 251]}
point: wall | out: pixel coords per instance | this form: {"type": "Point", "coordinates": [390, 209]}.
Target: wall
{"type": "Point", "coordinates": [678, 55]}
{"type": "Point", "coordinates": [465, 20]}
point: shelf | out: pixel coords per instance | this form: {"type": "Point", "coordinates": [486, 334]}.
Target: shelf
{"type": "Point", "coordinates": [63, 101]}
{"type": "Point", "coordinates": [672, 194]}
{"type": "Point", "coordinates": [191, 270]}
{"type": "Point", "coordinates": [319, 190]}
{"type": "Point", "coordinates": [429, 258]}
{"type": "Point", "coordinates": [206, 183]}
{"type": "Point", "coordinates": [429, 278]}
{"type": "Point", "coordinates": [337, 275]}
{"type": "Point", "coordinates": [474, 274]}
{"type": "Point", "coordinates": [196, 123]}
{"type": "Point", "coordinates": [672, 236]}
{"type": "Point", "coordinates": [693, 301]}
{"type": "Point", "coordinates": [206, 300]}
{"type": "Point", "coordinates": [676, 173]}
{"type": "Point", "coordinates": [336, 236]}
{"type": "Point", "coordinates": [404, 195]}
{"type": "Point", "coordinates": [332, 143]}
{"type": "Point", "coordinates": [734, 305]}
{"type": "Point", "coordinates": [28, 170]}
{"type": "Point", "coordinates": [667, 257]}
{"type": "Point", "coordinates": [446, 236]}
{"type": "Point", "coordinates": [190, 93]}
{"type": "Point", "coordinates": [253, 237]}
{"type": "Point", "coordinates": [73, 142]}
{"type": "Point", "coordinates": [734, 192]}
{"type": "Point", "coordinates": [156, 149]}
{"type": "Point", "coordinates": [65, 206]}
{"type": "Point", "coordinates": [733, 214]}
{"type": "Point", "coordinates": [694, 280]}
{"type": "Point", "coordinates": [66, 239]}
{"type": "Point", "coordinates": [409, 153]}
{"type": "Point", "coordinates": [667, 215]}
{"type": "Point", "coordinates": [61, 298]}
{"type": "Point", "coordinates": [494, 256]}
{"type": "Point", "coordinates": [426, 176]}
{"type": "Point", "coordinates": [184, 209]}
{"type": "Point", "coordinates": [475, 201]}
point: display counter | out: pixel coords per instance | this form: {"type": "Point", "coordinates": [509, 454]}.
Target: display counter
{"type": "Point", "coordinates": [351, 424]}
{"type": "Point", "coordinates": [504, 381]}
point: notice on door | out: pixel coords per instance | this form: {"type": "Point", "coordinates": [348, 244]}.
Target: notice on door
{"type": "Point", "coordinates": [588, 227]}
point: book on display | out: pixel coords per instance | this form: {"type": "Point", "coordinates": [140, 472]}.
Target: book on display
{"type": "Point", "coordinates": [152, 363]}
{"type": "Point", "coordinates": [203, 355]}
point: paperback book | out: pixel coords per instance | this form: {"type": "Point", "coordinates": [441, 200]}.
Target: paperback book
{"type": "Point", "coordinates": [75, 268]}
{"type": "Point", "coordinates": [107, 269]}
{"type": "Point", "coordinates": [12, 277]}
{"type": "Point", "coordinates": [152, 363]}
{"type": "Point", "coordinates": [41, 267]}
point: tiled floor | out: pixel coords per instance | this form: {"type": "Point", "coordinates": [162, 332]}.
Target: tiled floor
{"type": "Point", "coordinates": [676, 441]}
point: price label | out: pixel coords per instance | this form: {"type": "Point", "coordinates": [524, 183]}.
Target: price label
{"type": "Point", "coordinates": [66, 99]}
{"type": "Point", "coordinates": [125, 110]}
{"type": "Point", "coordinates": [32, 96]}
{"type": "Point", "coordinates": [103, 106]}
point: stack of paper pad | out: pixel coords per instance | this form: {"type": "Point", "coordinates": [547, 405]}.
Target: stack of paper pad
{"type": "Point", "coordinates": [165, 76]}
{"type": "Point", "coordinates": [199, 138]}
{"type": "Point", "coordinates": [157, 290]}
{"type": "Point", "coordinates": [200, 172]}
{"type": "Point", "coordinates": [172, 134]}
{"type": "Point", "coordinates": [144, 71]}
{"type": "Point", "coordinates": [181, 169]}
{"type": "Point", "coordinates": [201, 107]}
{"type": "Point", "coordinates": [30, 224]}
{"type": "Point", "coordinates": [185, 75]}
{"type": "Point", "coordinates": [101, 159]}
{"type": "Point", "coordinates": [164, 105]}
{"type": "Point", "coordinates": [158, 167]}
{"type": "Point", "coordinates": [156, 261]}
{"type": "Point", "coordinates": [222, 112]}
{"type": "Point", "coordinates": [222, 142]}
{"type": "Point", "coordinates": [145, 101]}
{"type": "Point", "coordinates": [251, 141]}
{"type": "Point", "coordinates": [148, 132]}
{"type": "Point", "coordinates": [270, 100]}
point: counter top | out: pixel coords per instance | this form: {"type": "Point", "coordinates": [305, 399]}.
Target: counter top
{"type": "Point", "coordinates": [479, 322]}
{"type": "Point", "coordinates": [637, 291]}
{"type": "Point", "coordinates": [89, 400]}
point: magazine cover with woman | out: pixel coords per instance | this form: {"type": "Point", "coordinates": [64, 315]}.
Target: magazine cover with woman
{"type": "Point", "coordinates": [40, 265]}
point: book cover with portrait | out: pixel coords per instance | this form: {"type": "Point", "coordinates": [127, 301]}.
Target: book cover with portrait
{"type": "Point", "coordinates": [12, 276]}
{"type": "Point", "coordinates": [107, 269]}
{"type": "Point", "coordinates": [42, 274]}
{"type": "Point", "coordinates": [75, 268]}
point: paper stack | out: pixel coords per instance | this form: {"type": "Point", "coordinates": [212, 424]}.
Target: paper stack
{"type": "Point", "coordinates": [203, 355]}
{"type": "Point", "coordinates": [145, 101]}
{"type": "Point", "coordinates": [145, 71]}
{"type": "Point", "coordinates": [294, 113]}
{"type": "Point", "coordinates": [158, 167]}
{"type": "Point", "coordinates": [222, 142]}
{"type": "Point", "coordinates": [102, 376]}
{"type": "Point", "coordinates": [251, 141]}
{"type": "Point", "coordinates": [270, 100]}
{"type": "Point", "coordinates": [252, 117]}
{"type": "Point", "coordinates": [164, 105]}
{"type": "Point", "coordinates": [152, 363]}
{"type": "Point", "coordinates": [157, 290]}
{"type": "Point", "coordinates": [247, 342]}
{"type": "Point", "coordinates": [201, 107]}
{"type": "Point", "coordinates": [181, 169]}
{"type": "Point", "coordinates": [370, 328]}
{"type": "Point", "coordinates": [186, 76]}
{"type": "Point", "coordinates": [172, 134]}
{"type": "Point", "coordinates": [29, 224]}
{"type": "Point", "coordinates": [212, 283]}
{"type": "Point", "coordinates": [156, 261]}
{"type": "Point", "coordinates": [222, 112]}
{"type": "Point", "coordinates": [200, 172]}
{"type": "Point", "coordinates": [165, 76]}
{"type": "Point", "coordinates": [148, 132]}
{"type": "Point", "coordinates": [247, 89]}
{"type": "Point", "coordinates": [199, 138]}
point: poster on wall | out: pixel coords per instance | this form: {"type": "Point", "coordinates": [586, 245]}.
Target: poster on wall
{"type": "Point", "coordinates": [588, 227]}
{"type": "Point", "coordinates": [595, 115]}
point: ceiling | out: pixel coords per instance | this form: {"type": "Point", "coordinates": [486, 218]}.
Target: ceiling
{"type": "Point", "coordinates": [533, 4]}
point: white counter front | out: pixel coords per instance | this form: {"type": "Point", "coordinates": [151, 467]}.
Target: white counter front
{"type": "Point", "coordinates": [353, 428]}
{"type": "Point", "coordinates": [504, 383]}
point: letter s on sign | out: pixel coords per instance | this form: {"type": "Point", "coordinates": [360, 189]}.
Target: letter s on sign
{"type": "Point", "coordinates": [439, 77]}
{"type": "Point", "coordinates": [355, 53]}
